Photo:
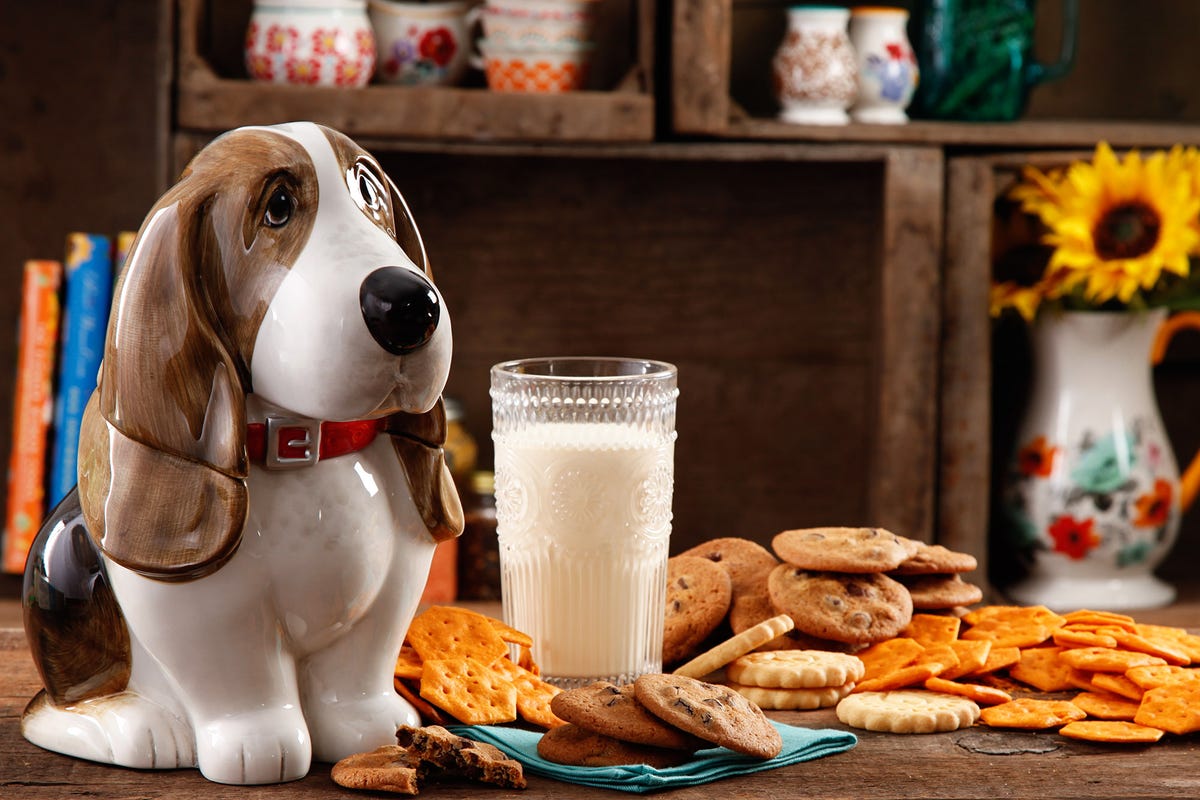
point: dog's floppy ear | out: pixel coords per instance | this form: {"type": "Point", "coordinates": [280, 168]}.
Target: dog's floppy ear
{"type": "Point", "coordinates": [162, 448]}
{"type": "Point", "coordinates": [418, 439]}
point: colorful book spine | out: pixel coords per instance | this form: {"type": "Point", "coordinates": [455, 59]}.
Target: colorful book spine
{"type": "Point", "coordinates": [32, 401]}
{"type": "Point", "coordinates": [87, 287]}
{"type": "Point", "coordinates": [121, 251]}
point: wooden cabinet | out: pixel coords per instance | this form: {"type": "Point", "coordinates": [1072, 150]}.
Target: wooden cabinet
{"type": "Point", "coordinates": [823, 290]}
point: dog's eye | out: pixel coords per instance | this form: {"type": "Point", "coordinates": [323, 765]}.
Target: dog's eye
{"type": "Point", "coordinates": [368, 190]}
{"type": "Point", "coordinates": [279, 209]}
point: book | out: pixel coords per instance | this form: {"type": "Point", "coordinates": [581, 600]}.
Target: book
{"type": "Point", "coordinates": [87, 293]}
{"type": "Point", "coordinates": [37, 337]}
{"type": "Point", "coordinates": [121, 251]}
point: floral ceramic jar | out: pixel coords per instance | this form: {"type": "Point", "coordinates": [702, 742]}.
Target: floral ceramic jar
{"type": "Point", "coordinates": [887, 68]}
{"type": "Point", "coordinates": [814, 69]}
{"type": "Point", "coordinates": [310, 42]}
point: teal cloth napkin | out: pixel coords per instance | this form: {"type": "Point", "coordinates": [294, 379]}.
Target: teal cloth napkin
{"type": "Point", "coordinates": [799, 744]}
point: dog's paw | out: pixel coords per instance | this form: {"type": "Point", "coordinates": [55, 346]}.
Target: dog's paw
{"type": "Point", "coordinates": [124, 729]}
{"type": "Point", "coordinates": [342, 728]}
{"type": "Point", "coordinates": [266, 746]}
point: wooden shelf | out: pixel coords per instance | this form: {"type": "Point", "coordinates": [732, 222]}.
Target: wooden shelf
{"type": "Point", "coordinates": [208, 102]}
{"type": "Point", "coordinates": [703, 103]}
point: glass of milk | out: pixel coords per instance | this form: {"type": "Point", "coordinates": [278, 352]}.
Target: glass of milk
{"type": "Point", "coordinates": [585, 462]}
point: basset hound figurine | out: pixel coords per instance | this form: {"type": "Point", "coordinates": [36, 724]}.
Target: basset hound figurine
{"type": "Point", "coordinates": [261, 479]}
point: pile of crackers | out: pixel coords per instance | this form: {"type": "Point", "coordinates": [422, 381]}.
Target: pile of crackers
{"type": "Point", "coordinates": [844, 588]}
{"type": "Point", "coordinates": [455, 663]}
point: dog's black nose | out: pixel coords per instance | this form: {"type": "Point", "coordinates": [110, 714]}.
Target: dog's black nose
{"type": "Point", "coordinates": [401, 309]}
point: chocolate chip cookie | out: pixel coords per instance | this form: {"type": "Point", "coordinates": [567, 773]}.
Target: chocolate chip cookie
{"type": "Point", "coordinates": [570, 744]}
{"type": "Point", "coordinates": [698, 596]}
{"type": "Point", "coordinates": [614, 711]}
{"type": "Point", "coordinates": [855, 609]}
{"type": "Point", "coordinates": [856, 550]}
{"type": "Point", "coordinates": [714, 713]}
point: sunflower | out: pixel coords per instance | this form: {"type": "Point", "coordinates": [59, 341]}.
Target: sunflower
{"type": "Point", "coordinates": [1116, 226]}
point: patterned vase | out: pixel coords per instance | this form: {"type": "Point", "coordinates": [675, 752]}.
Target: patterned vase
{"type": "Point", "coordinates": [310, 42]}
{"type": "Point", "coordinates": [1093, 495]}
{"type": "Point", "coordinates": [887, 68]}
{"type": "Point", "coordinates": [813, 69]}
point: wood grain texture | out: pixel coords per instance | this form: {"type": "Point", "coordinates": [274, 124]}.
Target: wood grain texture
{"type": "Point", "coordinates": [977, 763]}
{"type": "Point", "coordinates": [964, 471]}
{"type": "Point", "coordinates": [207, 101]}
{"type": "Point", "coordinates": [701, 44]}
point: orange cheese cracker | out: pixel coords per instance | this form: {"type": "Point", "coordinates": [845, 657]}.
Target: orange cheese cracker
{"type": "Point", "coordinates": [1174, 708]}
{"type": "Point", "coordinates": [931, 629]}
{"type": "Point", "coordinates": [469, 690]}
{"type": "Point", "coordinates": [1043, 668]}
{"type": "Point", "coordinates": [1117, 684]}
{"type": "Point", "coordinates": [1103, 659]}
{"type": "Point", "coordinates": [533, 694]}
{"type": "Point", "coordinates": [1030, 714]}
{"type": "Point", "coordinates": [1071, 637]}
{"type": "Point", "coordinates": [888, 656]}
{"type": "Point", "coordinates": [1012, 626]}
{"type": "Point", "coordinates": [898, 679]}
{"type": "Point", "coordinates": [1155, 646]}
{"type": "Point", "coordinates": [408, 664]}
{"type": "Point", "coordinates": [1110, 732]}
{"type": "Point", "coordinates": [982, 695]}
{"type": "Point", "coordinates": [1156, 675]}
{"type": "Point", "coordinates": [999, 658]}
{"type": "Point", "coordinates": [972, 655]}
{"type": "Point", "coordinates": [1106, 706]}
{"type": "Point", "coordinates": [445, 632]}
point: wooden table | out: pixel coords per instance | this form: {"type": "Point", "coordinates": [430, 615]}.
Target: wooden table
{"type": "Point", "coordinates": [975, 763]}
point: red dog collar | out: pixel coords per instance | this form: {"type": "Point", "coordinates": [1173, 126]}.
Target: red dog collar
{"type": "Point", "coordinates": [290, 442]}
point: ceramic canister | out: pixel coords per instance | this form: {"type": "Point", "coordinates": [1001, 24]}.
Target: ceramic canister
{"type": "Point", "coordinates": [310, 42]}
{"type": "Point", "coordinates": [421, 43]}
{"type": "Point", "coordinates": [813, 69]}
{"type": "Point", "coordinates": [887, 68]}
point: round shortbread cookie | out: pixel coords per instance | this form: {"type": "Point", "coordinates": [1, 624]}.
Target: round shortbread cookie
{"type": "Point", "coordinates": [744, 560]}
{"type": "Point", "coordinates": [795, 669]}
{"type": "Point", "coordinates": [934, 559]}
{"type": "Point", "coordinates": [716, 714]}
{"type": "Point", "coordinates": [793, 699]}
{"type": "Point", "coordinates": [737, 645]}
{"type": "Point", "coordinates": [856, 609]}
{"type": "Point", "coordinates": [614, 711]}
{"type": "Point", "coordinates": [570, 744]}
{"type": "Point", "coordinates": [907, 711]}
{"type": "Point", "coordinates": [698, 596]}
{"type": "Point", "coordinates": [932, 592]}
{"type": "Point", "coordinates": [843, 549]}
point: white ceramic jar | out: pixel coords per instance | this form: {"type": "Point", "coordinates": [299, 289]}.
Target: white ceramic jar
{"type": "Point", "coordinates": [887, 68]}
{"type": "Point", "coordinates": [310, 42]}
{"type": "Point", "coordinates": [814, 68]}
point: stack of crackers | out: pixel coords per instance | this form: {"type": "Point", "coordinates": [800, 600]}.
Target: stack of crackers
{"type": "Point", "coordinates": [844, 588]}
{"type": "Point", "coordinates": [455, 663]}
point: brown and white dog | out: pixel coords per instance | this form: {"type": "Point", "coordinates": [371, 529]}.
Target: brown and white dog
{"type": "Point", "coordinates": [261, 482]}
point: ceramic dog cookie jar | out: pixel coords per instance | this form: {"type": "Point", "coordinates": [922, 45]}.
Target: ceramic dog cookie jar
{"type": "Point", "coordinates": [261, 475]}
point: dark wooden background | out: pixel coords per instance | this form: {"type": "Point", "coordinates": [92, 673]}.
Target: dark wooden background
{"type": "Point", "coordinates": [754, 276]}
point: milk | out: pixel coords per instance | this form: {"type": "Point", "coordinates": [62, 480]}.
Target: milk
{"type": "Point", "coordinates": [584, 519]}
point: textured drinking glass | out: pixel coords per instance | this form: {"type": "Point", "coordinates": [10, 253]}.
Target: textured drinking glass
{"type": "Point", "coordinates": [584, 471]}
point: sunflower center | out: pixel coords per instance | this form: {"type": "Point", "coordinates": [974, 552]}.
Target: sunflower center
{"type": "Point", "coordinates": [1127, 231]}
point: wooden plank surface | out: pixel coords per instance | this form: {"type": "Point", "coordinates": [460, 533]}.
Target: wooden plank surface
{"type": "Point", "coordinates": [975, 763]}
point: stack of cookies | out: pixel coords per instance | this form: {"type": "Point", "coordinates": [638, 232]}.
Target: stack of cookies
{"type": "Point", "coordinates": [844, 588]}
{"type": "Point", "coordinates": [659, 720]}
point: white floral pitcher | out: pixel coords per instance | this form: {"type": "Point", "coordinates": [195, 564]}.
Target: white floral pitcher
{"type": "Point", "coordinates": [1093, 495]}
